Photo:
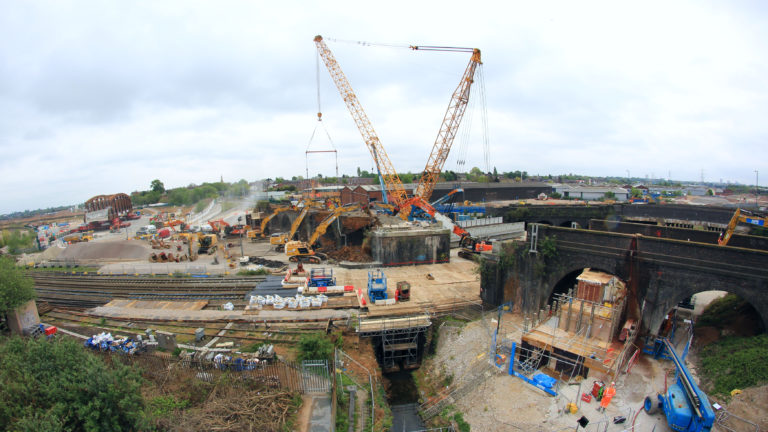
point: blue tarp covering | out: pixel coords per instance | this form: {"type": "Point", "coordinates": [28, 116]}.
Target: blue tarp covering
{"type": "Point", "coordinates": [545, 380]}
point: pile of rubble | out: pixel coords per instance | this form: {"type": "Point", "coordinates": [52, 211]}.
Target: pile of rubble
{"type": "Point", "coordinates": [350, 253]}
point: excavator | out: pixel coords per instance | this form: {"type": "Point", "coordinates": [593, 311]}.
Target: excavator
{"type": "Point", "coordinates": [218, 225]}
{"type": "Point", "coordinates": [298, 251]}
{"type": "Point", "coordinates": [740, 216]}
{"type": "Point", "coordinates": [469, 246]}
{"type": "Point", "coordinates": [280, 239]}
{"type": "Point", "coordinates": [266, 220]}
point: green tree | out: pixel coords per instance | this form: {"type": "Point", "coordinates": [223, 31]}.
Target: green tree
{"type": "Point", "coordinates": [56, 385]}
{"type": "Point", "coordinates": [180, 196]}
{"type": "Point", "coordinates": [449, 176]}
{"type": "Point", "coordinates": [157, 186]}
{"type": "Point", "coordinates": [636, 193]}
{"type": "Point", "coordinates": [16, 288]}
{"type": "Point", "coordinates": [610, 195]}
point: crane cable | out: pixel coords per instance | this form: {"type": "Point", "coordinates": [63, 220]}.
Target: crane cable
{"type": "Point", "coordinates": [466, 127]}
{"type": "Point", "coordinates": [319, 124]}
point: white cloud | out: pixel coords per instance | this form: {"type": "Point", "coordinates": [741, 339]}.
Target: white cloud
{"type": "Point", "coordinates": [101, 98]}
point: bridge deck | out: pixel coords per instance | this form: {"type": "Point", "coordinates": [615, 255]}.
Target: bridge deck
{"type": "Point", "coordinates": [385, 325]}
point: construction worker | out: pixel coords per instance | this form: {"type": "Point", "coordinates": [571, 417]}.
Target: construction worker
{"type": "Point", "coordinates": [607, 396]}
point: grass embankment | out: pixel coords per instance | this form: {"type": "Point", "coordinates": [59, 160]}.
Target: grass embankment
{"type": "Point", "coordinates": [736, 360]}
{"type": "Point", "coordinates": [735, 363]}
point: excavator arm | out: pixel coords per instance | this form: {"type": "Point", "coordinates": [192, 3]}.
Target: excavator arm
{"type": "Point", "coordinates": [740, 216]}
{"type": "Point", "coordinates": [266, 220]}
{"type": "Point", "coordinates": [393, 185]}
{"type": "Point", "coordinates": [323, 227]}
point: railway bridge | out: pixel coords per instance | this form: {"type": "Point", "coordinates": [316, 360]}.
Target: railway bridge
{"type": "Point", "coordinates": [675, 215]}
{"type": "Point", "coordinates": [661, 272]}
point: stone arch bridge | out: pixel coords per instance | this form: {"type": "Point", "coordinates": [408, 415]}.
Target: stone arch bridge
{"type": "Point", "coordinates": [661, 272]}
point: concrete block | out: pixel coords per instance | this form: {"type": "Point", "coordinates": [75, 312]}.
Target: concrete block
{"type": "Point", "coordinates": [199, 334]}
{"type": "Point", "coordinates": [23, 317]}
{"type": "Point", "coordinates": [166, 340]}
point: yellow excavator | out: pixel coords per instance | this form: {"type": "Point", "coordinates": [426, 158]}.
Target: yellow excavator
{"type": "Point", "coordinates": [298, 251]}
{"type": "Point", "coordinates": [254, 235]}
{"type": "Point", "coordinates": [280, 239]}
{"type": "Point", "coordinates": [740, 216]}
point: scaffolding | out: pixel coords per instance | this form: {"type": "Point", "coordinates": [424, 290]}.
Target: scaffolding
{"type": "Point", "coordinates": [401, 340]}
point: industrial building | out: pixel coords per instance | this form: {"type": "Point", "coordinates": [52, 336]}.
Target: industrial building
{"type": "Point", "coordinates": [591, 193]}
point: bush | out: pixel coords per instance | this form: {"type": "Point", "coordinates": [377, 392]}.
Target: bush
{"type": "Point", "coordinates": [315, 346]}
{"type": "Point", "coordinates": [16, 288]}
{"type": "Point", "coordinates": [57, 385]}
{"type": "Point", "coordinates": [261, 271]}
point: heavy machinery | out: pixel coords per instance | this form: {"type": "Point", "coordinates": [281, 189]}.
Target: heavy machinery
{"type": "Point", "coordinates": [685, 405]}
{"type": "Point", "coordinates": [451, 121]}
{"type": "Point", "coordinates": [392, 187]}
{"type": "Point", "coordinates": [391, 182]}
{"type": "Point", "coordinates": [377, 285]}
{"type": "Point", "coordinates": [218, 225]}
{"type": "Point", "coordinates": [469, 246]}
{"type": "Point", "coordinates": [265, 221]}
{"type": "Point", "coordinates": [403, 291]}
{"type": "Point", "coordinates": [280, 239]}
{"type": "Point", "coordinates": [323, 226]}
{"type": "Point", "coordinates": [207, 243]}
{"type": "Point", "coordinates": [740, 216]}
{"type": "Point", "coordinates": [298, 251]}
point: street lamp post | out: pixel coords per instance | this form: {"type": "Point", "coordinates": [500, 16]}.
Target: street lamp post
{"type": "Point", "coordinates": [757, 191]}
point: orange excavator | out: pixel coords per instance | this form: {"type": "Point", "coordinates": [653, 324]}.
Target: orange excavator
{"type": "Point", "coordinates": [218, 225]}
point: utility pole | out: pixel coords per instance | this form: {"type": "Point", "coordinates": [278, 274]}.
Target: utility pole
{"type": "Point", "coordinates": [757, 191]}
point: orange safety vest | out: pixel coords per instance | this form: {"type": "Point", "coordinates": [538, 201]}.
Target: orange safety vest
{"type": "Point", "coordinates": [607, 396]}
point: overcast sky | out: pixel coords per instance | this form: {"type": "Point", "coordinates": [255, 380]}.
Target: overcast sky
{"type": "Point", "coordinates": [101, 97]}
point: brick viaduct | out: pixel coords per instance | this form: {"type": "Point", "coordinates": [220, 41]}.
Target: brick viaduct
{"type": "Point", "coordinates": [661, 214]}
{"type": "Point", "coordinates": [661, 271]}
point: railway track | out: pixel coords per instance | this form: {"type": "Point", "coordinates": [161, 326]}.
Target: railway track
{"type": "Point", "coordinates": [245, 333]}
{"type": "Point", "coordinates": [91, 291]}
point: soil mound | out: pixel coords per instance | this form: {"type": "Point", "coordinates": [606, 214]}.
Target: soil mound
{"type": "Point", "coordinates": [123, 249]}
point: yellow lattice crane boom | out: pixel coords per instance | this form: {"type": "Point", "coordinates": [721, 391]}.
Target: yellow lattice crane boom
{"type": "Point", "coordinates": [392, 182]}
{"type": "Point", "coordinates": [451, 122]}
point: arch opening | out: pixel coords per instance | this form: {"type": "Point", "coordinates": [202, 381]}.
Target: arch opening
{"type": "Point", "coordinates": [716, 314]}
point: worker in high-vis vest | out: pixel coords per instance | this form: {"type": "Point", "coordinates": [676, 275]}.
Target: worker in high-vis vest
{"type": "Point", "coordinates": [607, 396]}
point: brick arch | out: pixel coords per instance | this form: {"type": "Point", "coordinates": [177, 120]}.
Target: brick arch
{"type": "Point", "coordinates": [670, 292]}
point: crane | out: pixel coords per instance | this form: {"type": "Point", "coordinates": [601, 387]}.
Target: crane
{"type": "Point", "coordinates": [391, 181]}
{"type": "Point", "coordinates": [746, 217]}
{"type": "Point", "coordinates": [451, 121]}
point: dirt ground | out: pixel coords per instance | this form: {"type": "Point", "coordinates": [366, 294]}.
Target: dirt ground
{"type": "Point", "coordinates": [506, 403]}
